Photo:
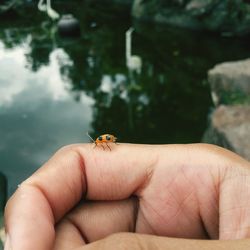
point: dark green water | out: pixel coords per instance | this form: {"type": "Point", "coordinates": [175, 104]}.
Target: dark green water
{"type": "Point", "coordinates": [52, 90]}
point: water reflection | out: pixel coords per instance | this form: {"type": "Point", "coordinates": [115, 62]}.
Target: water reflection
{"type": "Point", "coordinates": [53, 91]}
{"type": "Point", "coordinates": [37, 112]}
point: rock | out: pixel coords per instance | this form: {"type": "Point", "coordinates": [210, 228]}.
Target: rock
{"type": "Point", "coordinates": [69, 26]}
{"type": "Point", "coordinates": [230, 82]}
{"type": "Point", "coordinates": [230, 128]}
{"type": "Point", "coordinates": [199, 6]}
{"type": "Point", "coordinates": [224, 16]}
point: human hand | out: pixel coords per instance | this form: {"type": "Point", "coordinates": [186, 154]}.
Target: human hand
{"type": "Point", "coordinates": [81, 195]}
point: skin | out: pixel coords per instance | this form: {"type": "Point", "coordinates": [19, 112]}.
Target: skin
{"type": "Point", "coordinates": [172, 196]}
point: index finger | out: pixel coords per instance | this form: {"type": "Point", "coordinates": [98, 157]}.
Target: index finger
{"type": "Point", "coordinates": [60, 184]}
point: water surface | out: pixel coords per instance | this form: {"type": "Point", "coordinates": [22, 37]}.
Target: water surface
{"type": "Point", "coordinates": [54, 90]}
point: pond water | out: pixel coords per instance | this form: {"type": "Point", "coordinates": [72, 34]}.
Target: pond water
{"type": "Point", "coordinates": [54, 90]}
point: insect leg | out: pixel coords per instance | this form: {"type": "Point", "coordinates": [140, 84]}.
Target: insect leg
{"type": "Point", "coordinates": [108, 146]}
{"type": "Point", "coordinates": [103, 146]}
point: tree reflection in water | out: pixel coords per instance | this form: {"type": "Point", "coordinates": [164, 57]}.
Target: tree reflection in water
{"type": "Point", "coordinates": [167, 103]}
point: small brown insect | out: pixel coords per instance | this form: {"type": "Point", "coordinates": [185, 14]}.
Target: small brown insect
{"type": "Point", "coordinates": [103, 139]}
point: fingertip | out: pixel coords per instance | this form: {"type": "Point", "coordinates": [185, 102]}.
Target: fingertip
{"type": "Point", "coordinates": [28, 220]}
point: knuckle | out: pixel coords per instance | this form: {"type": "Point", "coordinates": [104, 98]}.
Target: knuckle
{"type": "Point", "coordinates": [75, 151]}
{"type": "Point", "coordinates": [69, 148]}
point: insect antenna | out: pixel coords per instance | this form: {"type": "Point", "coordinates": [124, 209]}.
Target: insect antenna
{"type": "Point", "coordinates": [90, 137]}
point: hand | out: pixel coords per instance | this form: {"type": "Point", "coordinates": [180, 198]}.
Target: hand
{"type": "Point", "coordinates": [82, 195]}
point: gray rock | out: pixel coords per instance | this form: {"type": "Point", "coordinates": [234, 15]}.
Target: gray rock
{"type": "Point", "coordinates": [230, 82]}
{"type": "Point", "coordinates": [229, 17]}
{"type": "Point", "coordinates": [230, 128]}
{"type": "Point", "coordinates": [157, 12]}
{"type": "Point", "coordinates": [197, 4]}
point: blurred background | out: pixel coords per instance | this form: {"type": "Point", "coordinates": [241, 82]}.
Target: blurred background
{"type": "Point", "coordinates": [68, 67]}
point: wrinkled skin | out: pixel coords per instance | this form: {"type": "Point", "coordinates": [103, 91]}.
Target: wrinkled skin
{"type": "Point", "coordinates": [82, 195]}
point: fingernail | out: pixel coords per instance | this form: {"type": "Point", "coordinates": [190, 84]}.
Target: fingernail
{"type": "Point", "coordinates": [7, 245]}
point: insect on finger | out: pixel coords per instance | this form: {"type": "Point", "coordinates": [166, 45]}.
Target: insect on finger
{"type": "Point", "coordinates": [103, 139]}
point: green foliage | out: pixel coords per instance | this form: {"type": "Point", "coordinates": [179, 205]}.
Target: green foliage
{"type": "Point", "coordinates": [166, 101]}
{"type": "Point", "coordinates": [233, 98]}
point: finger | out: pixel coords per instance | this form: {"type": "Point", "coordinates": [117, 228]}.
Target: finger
{"type": "Point", "coordinates": [75, 170]}
{"type": "Point", "coordinates": [127, 241]}
{"type": "Point", "coordinates": [92, 221]}
{"type": "Point", "coordinates": [29, 221]}
{"type": "Point", "coordinates": [235, 204]}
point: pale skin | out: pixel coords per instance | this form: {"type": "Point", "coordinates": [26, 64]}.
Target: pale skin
{"type": "Point", "coordinates": [134, 197]}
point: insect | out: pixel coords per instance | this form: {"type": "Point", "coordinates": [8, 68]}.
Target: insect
{"type": "Point", "coordinates": [103, 139]}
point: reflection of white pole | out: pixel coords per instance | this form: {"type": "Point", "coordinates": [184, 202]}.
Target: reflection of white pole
{"type": "Point", "coordinates": [134, 62]}
{"type": "Point", "coordinates": [51, 13]}
{"type": "Point", "coordinates": [128, 44]}
{"type": "Point", "coordinates": [47, 7]}
{"type": "Point", "coordinates": [41, 6]}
